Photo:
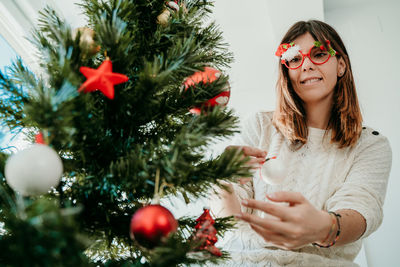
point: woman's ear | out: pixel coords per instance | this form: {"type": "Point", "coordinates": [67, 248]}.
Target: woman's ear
{"type": "Point", "coordinates": [341, 67]}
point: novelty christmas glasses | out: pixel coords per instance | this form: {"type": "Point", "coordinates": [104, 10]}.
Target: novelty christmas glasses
{"type": "Point", "coordinates": [293, 58]}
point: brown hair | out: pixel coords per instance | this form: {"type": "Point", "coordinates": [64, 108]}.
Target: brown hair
{"type": "Point", "coordinates": [290, 116]}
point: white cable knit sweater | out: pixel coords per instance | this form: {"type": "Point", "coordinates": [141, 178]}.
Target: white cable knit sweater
{"type": "Point", "coordinates": [330, 178]}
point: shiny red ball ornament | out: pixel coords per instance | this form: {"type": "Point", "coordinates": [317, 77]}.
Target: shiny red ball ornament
{"type": "Point", "coordinates": [209, 75]}
{"type": "Point", "coordinates": [150, 224]}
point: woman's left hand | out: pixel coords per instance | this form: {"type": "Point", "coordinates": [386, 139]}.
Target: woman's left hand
{"type": "Point", "coordinates": [296, 225]}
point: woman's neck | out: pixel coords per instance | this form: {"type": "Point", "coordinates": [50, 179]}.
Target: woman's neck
{"type": "Point", "coordinates": [318, 114]}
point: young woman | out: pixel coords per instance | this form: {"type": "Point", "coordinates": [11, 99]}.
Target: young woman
{"type": "Point", "coordinates": [322, 176]}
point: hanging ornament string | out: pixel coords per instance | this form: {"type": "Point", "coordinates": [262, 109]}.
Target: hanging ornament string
{"type": "Point", "coordinates": [156, 196]}
{"type": "Point", "coordinates": [164, 184]}
{"type": "Point", "coordinates": [151, 223]}
{"type": "Point", "coordinates": [159, 189]}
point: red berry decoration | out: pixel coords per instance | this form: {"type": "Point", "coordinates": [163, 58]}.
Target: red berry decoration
{"type": "Point", "coordinates": [150, 224]}
{"type": "Point", "coordinates": [209, 75]}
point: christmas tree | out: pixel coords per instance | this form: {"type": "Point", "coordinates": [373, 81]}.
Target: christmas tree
{"type": "Point", "coordinates": [123, 114]}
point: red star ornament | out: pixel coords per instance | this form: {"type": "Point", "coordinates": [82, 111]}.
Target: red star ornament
{"type": "Point", "coordinates": [102, 79]}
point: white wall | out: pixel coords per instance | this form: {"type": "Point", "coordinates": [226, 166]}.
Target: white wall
{"type": "Point", "coordinates": [7, 54]}
{"type": "Point", "coordinates": [371, 33]}
{"type": "Point", "coordinates": [253, 32]}
{"type": "Point", "coordinates": [18, 18]}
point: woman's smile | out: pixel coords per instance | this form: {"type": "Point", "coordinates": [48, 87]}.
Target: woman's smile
{"type": "Point", "coordinates": [311, 80]}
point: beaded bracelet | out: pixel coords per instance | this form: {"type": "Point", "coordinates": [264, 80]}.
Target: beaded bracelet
{"type": "Point", "coordinates": [337, 216]}
{"type": "Point", "coordinates": [332, 228]}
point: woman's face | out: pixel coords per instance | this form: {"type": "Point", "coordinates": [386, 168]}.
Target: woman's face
{"type": "Point", "coordinates": [315, 83]}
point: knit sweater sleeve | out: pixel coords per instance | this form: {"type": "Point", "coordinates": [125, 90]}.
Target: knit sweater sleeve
{"type": "Point", "coordinates": [364, 188]}
{"type": "Point", "coordinates": [251, 129]}
{"type": "Point", "coordinates": [249, 136]}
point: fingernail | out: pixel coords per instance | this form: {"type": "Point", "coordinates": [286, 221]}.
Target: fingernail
{"type": "Point", "coordinates": [271, 195]}
{"type": "Point", "coordinates": [245, 202]}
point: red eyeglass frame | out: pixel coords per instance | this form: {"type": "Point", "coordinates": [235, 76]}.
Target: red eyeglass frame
{"type": "Point", "coordinates": [308, 55]}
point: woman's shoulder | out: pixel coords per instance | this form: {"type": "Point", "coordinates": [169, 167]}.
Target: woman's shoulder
{"type": "Point", "coordinates": [373, 141]}
{"type": "Point", "coordinates": [369, 134]}
{"type": "Point", "coordinates": [260, 118]}
{"type": "Point", "coordinates": [256, 128]}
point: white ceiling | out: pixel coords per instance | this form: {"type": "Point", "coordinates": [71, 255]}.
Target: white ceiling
{"type": "Point", "coordinates": [18, 17]}
{"type": "Point", "coordinates": [336, 4]}
{"type": "Point", "coordinates": [26, 11]}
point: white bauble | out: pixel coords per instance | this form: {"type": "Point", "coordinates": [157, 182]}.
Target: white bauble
{"type": "Point", "coordinates": [33, 171]}
{"type": "Point", "coordinates": [274, 171]}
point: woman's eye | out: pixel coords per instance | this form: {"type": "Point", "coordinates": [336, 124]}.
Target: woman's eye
{"type": "Point", "coordinates": [320, 55]}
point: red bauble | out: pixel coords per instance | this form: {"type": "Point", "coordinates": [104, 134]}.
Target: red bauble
{"type": "Point", "coordinates": [150, 224]}
{"type": "Point", "coordinates": [209, 75]}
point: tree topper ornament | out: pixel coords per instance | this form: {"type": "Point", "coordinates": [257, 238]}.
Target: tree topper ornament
{"type": "Point", "coordinates": [102, 79]}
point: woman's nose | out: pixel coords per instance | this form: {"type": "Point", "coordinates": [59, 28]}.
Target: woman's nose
{"type": "Point", "coordinates": [307, 64]}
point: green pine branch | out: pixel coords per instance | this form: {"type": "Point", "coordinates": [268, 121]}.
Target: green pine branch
{"type": "Point", "coordinates": [112, 149]}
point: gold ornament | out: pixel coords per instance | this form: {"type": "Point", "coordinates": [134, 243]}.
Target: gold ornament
{"type": "Point", "coordinates": [163, 18]}
{"type": "Point", "coordinates": [86, 40]}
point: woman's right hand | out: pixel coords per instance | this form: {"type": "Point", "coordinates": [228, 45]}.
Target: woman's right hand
{"type": "Point", "coordinates": [227, 203]}
{"type": "Point", "coordinates": [257, 158]}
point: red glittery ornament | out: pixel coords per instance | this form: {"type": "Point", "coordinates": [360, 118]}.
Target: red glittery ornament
{"type": "Point", "coordinates": [209, 75]}
{"type": "Point", "coordinates": [150, 224]}
{"type": "Point", "coordinates": [206, 232]}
